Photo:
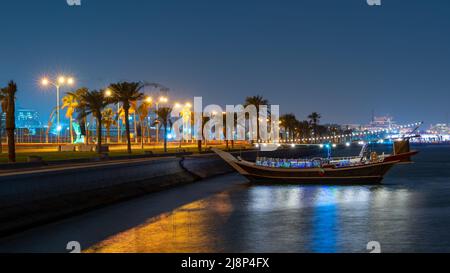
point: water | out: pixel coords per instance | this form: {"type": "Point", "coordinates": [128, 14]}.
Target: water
{"type": "Point", "coordinates": [409, 213]}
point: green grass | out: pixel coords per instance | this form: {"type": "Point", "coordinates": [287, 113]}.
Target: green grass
{"type": "Point", "coordinates": [22, 155]}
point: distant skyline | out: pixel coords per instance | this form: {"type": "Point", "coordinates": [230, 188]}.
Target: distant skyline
{"type": "Point", "coordinates": [343, 59]}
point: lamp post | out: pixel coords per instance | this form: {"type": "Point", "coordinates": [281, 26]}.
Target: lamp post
{"type": "Point", "coordinates": [58, 83]}
{"type": "Point", "coordinates": [148, 102]}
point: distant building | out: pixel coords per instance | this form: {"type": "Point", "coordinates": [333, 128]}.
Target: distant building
{"type": "Point", "coordinates": [440, 129]}
{"type": "Point", "coordinates": [351, 127]}
{"type": "Point", "coordinates": [381, 123]}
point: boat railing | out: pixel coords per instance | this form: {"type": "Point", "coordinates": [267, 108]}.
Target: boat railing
{"type": "Point", "coordinates": [307, 163]}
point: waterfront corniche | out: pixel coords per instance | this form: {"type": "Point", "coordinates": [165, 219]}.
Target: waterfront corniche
{"type": "Point", "coordinates": [29, 198]}
{"type": "Point", "coordinates": [32, 197]}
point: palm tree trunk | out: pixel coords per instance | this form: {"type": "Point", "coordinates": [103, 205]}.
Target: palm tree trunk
{"type": "Point", "coordinates": [10, 128]}
{"type": "Point", "coordinates": [86, 129]}
{"type": "Point", "coordinates": [99, 135]}
{"type": "Point", "coordinates": [127, 129]}
{"type": "Point", "coordinates": [257, 126]}
{"type": "Point", "coordinates": [165, 138]}
{"type": "Point", "coordinates": [1, 133]}
{"type": "Point", "coordinates": [142, 135]}
{"type": "Point", "coordinates": [71, 130]}
{"type": "Point", "coordinates": [108, 134]}
{"type": "Point", "coordinates": [199, 145]}
{"type": "Point", "coordinates": [135, 127]}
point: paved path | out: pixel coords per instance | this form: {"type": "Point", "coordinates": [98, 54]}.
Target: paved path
{"type": "Point", "coordinates": [97, 225]}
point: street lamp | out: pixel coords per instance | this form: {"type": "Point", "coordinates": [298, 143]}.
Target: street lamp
{"type": "Point", "coordinates": [108, 93]}
{"type": "Point", "coordinates": [61, 81]}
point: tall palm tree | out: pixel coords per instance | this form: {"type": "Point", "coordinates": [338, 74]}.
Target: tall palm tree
{"type": "Point", "coordinates": [11, 91]}
{"type": "Point", "coordinates": [314, 119]}
{"type": "Point", "coordinates": [256, 101]}
{"type": "Point", "coordinates": [70, 102]}
{"type": "Point", "coordinates": [93, 103]}
{"type": "Point", "coordinates": [81, 118]}
{"type": "Point", "coordinates": [4, 106]}
{"type": "Point", "coordinates": [108, 121]}
{"type": "Point", "coordinates": [164, 120]}
{"type": "Point", "coordinates": [125, 93]}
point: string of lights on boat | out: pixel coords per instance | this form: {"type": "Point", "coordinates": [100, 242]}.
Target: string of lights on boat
{"type": "Point", "coordinates": [341, 136]}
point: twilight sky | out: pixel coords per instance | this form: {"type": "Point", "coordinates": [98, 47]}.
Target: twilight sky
{"type": "Point", "coordinates": [340, 58]}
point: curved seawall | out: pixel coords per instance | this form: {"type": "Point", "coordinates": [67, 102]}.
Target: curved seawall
{"type": "Point", "coordinates": [29, 198]}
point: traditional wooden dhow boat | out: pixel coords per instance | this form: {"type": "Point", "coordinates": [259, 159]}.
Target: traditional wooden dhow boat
{"type": "Point", "coordinates": [339, 171]}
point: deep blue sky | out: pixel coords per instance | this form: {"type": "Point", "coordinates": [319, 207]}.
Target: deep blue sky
{"type": "Point", "coordinates": [340, 58]}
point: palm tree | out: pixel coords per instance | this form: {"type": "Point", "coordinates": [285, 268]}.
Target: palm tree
{"type": "Point", "coordinates": [94, 102]}
{"type": "Point", "coordinates": [288, 122]}
{"type": "Point", "coordinates": [314, 120]}
{"type": "Point", "coordinates": [302, 129]}
{"type": "Point", "coordinates": [11, 91]}
{"type": "Point", "coordinates": [256, 101]}
{"type": "Point", "coordinates": [70, 102]}
{"type": "Point", "coordinates": [108, 120]}
{"type": "Point", "coordinates": [164, 119]}
{"type": "Point", "coordinates": [143, 110]}
{"type": "Point", "coordinates": [125, 93]}
{"type": "Point", "coordinates": [82, 118]}
{"type": "Point", "coordinates": [4, 106]}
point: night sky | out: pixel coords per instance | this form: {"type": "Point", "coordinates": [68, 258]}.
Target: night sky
{"type": "Point", "coordinates": [342, 59]}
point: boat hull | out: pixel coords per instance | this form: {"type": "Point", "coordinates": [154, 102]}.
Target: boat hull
{"type": "Point", "coordinates": [367, 174]}
{"type": "Point", "coordinates": [403, 158]}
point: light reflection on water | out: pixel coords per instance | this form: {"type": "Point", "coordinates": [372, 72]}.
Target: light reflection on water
{"type": "Point", "coordinates": [261, 219]}
{"type": "Point", "coordinates": [409, 213]}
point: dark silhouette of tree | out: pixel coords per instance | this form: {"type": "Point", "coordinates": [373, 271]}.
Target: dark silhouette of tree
{"type": "Point", "coordinates": [288, 122]}
{"type": "Point", "coordinates": [10, 93]}
{"type": "Point", "coordinates": [125, 93]}
{"type": "Point", "coordinates": [93, 103]}
{"type": "Point", "coordinates": [4, 106]}
{"type": "Point", "coordinates": [314, 119]}
{"type": "Point", "coordinates": [80, 109]}
{"type": "Point", "coordinates": [256, 101]}
{"type": "Point", "coordinates": [163, 114]}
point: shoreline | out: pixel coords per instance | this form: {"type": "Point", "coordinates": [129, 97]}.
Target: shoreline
{"type": "Point", "coordinates": [39, 196]}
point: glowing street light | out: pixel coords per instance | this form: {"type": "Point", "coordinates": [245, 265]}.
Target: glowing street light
{"type": "Point", "coordinates": [108, 93]}
{"type": "Point", "coordinates": [58, 83]}
{"type": "Point", "coordinates": [163, 100]}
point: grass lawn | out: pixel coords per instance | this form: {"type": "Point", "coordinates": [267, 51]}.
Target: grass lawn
{"type": "Point", "coordinates": [22, 154]}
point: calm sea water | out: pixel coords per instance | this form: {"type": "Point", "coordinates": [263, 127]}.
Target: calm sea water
{"type": "Point", "coordinates": [409, 213]}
